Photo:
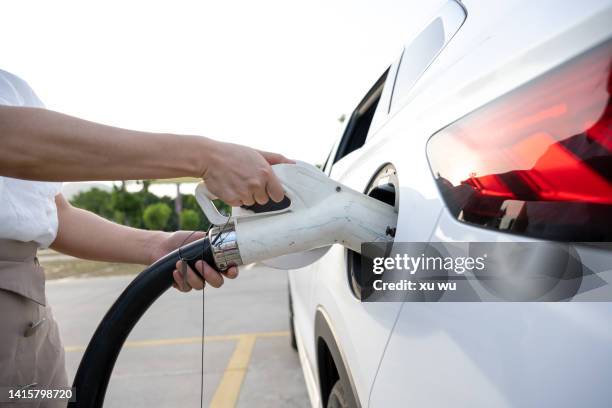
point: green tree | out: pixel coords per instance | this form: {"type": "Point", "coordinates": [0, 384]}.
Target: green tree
{"type": "Point", "coordinates": [118, 217]}
{"type": "Point", "coordinates": [173, 223]}
{"type": "Point", "coordinates": [189, 220]}
{"type": "Point", "coordinates": [156, 216]}
{"type": "Point", "coordinates": [145, 185]}
{"type": "Point", "coordinates": [190, 202]}
{"type": "Point", "coordinates": [95, 200]}
{"type": "Point", "coordinates": [224, 208]}
{"type": "Point", "coordinates": [130, 205]}
{"type": "Point", "coordinates": [147, 198]}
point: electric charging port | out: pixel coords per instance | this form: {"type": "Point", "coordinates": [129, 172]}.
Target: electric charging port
{"type": "Point", "coordinates": [384, 186]}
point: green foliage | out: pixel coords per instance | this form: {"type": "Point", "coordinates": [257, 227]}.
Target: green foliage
{"type": "Point", "coordinates": [189, 220]}
{"type": "Point", "coordinates": [150, 198]}
{"type": "Point", "coordinates": [223, 208]}
{"type": "Point", "coordinates": [190, 202]}
{"type": "Point", "coordinates": [130, 205]}
{"type": "Point", "coordinates": [145, 185]}
{"type": "Point", "coordinates": [95, 200]}
{"type": "Point", "coordinates": [156, 216]}
{"type": "Point", "coordinates": [133, 209]}
{"type": "Point", "coordinates": [118, 217]}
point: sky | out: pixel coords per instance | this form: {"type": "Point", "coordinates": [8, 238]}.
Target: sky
{"type": "Point", "coordinates": [274, 75]}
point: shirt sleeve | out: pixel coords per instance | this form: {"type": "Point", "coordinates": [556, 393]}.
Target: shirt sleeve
{"type": "Point", "coordinates": [14, 91]}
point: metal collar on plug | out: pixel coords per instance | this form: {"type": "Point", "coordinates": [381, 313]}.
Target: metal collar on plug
{"type": "Point", "coordinates": [224, 246]}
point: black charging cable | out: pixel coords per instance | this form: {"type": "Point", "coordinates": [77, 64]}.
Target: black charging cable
{"type": "Point", "coordinates": [96, 367]}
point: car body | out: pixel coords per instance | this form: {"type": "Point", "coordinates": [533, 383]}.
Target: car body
{"type": "Point", "coordinates": [441, 354]}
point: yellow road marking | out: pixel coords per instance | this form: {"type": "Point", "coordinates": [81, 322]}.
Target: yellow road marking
{"type": "Point", "coordinates": [185, 340]}
{"type": "Point", "coordinates": [228, 390]}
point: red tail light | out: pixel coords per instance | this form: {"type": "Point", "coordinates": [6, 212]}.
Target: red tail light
{"type": "Point", "coordinates": [537, 161]}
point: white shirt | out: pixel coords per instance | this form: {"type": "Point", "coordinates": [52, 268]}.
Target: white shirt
{"type": "Point", "coordinates": [27, 208]}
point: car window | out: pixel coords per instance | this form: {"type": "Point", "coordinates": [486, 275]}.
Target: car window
{"type": "Point", "coordinates": [327, 165]}
{"type": "Point", "coordinates": [416, 58]}
{"type": "Point", "coordinates": [419, 54]}
{"type": "Point", "coordinates": [359, 123]}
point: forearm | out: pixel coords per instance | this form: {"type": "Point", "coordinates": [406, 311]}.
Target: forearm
{"type": "Point", "coordinates": [86, 235]}
{"type": "Point", "coordinates": [39, 144]}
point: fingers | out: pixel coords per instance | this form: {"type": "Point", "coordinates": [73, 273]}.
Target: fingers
{"type": "Point", "coordinates": [275, 158]}
{"type": "Point", "coordinates": [262, 187]}
{"type": "Point", "coordinates": [231, 273]}
{"type": "Point", "coordinates": [248, 201]}
{"type": "Point", "coordinates": [239, 175]}
{"type": "Point", "coordinates": [193, 281]}
{"type": "Point", "coordinates": [275, 189]}
{"type": "Point", "coordinates": [234, 202]}
{"type": "Point", "coordinates": [261, 196]}
{"type": "Point", "coordinates": [214, 278]}
{"type": "Point", "coordinates": [179, 283]}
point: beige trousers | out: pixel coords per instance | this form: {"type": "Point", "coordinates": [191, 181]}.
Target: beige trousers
{"type": "Point", "coordinates": [31, 352]}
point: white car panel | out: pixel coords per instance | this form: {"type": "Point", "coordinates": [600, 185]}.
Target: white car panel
{"type": "Point", "coordinates": [461, 354]}
{"type": "Point", "coordinates": [500, 354]}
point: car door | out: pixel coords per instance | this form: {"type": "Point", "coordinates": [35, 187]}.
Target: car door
{"type": "Point", "coordinates": [376, 149]}
{"type": "Point", "coordinates": [366, 153]}
{"type": "Point", "coordinates": [333, 293]}
{"type": "Point", "coordinates": [325, 285]}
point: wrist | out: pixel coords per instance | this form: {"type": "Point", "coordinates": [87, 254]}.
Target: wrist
{"type": "Point", "coordinates": [207, 153]}
{"type": "Point", "coordinates": [154, 246]}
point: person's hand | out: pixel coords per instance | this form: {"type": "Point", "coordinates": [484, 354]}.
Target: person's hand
{"type": "Point", "coordinates": [168, 242]}
{"type": "Point", "coordinates": [240, 175]}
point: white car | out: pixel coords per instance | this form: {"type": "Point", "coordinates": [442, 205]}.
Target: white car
{"type": "Point", "coordinates": [494, 124]}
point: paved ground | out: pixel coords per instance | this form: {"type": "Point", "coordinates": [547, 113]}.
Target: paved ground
{"type": "Point", "coordinates": [248, 360]}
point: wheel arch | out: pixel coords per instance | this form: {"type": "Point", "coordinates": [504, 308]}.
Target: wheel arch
{"type": "Point", "coordinates": [331, 362]}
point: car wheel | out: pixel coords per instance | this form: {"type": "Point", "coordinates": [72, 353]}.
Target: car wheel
{"type": "Point", "coordinates": [291, 325]}
{"type": "Point", "coordinates": [337, 397]}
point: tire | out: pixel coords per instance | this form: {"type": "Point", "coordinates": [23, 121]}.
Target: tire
{"type": "Point", "coordinates": [337, 397]}
{"type": "Point", "coordinates": [291, 325]}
